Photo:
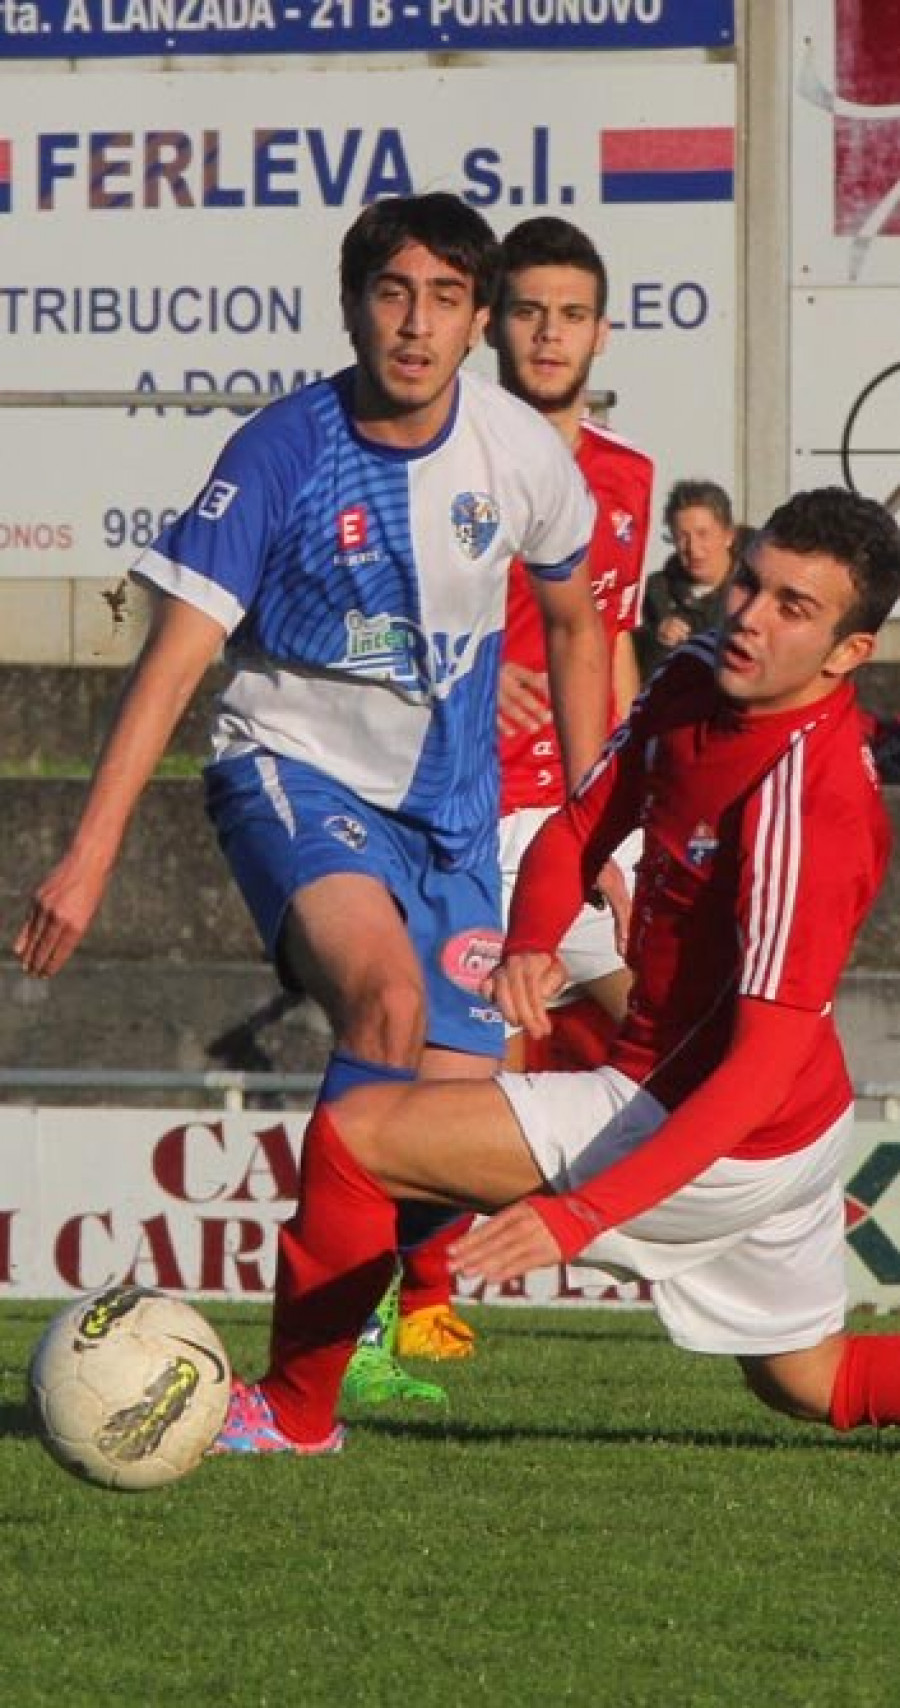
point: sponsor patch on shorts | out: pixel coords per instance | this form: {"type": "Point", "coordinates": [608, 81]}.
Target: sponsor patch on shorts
{"type": "Point", "coordinates": [470, 956]}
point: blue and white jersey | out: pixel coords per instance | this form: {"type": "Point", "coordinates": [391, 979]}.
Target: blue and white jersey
{"type": "Point", "coordinates": [363, 590]}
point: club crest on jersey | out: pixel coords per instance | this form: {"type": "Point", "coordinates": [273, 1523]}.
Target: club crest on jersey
{"type": "Point", "coordinates": [701, 844]}
{"type": "Point", "coordinates": [470, 956]}
{"type": "Point", "coordinates": [347, 830]}
{"type": "Point", "coordinates": [475, 520]}
{"type": "Point", "coordinates": [622, 524]}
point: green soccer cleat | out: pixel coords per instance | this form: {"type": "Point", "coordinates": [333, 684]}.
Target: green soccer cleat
{"type": "Point", "coordinates": [374, 1378]}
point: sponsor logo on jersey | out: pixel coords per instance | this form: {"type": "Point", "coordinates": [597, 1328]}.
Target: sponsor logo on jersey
{"type": "Point", "coordinates": [216, 499]}
{"type": "Point", "coordinates": [470, 956]}
{"type": "Point", "coordinates": [347, 830]}
{"type": "Point", "coordinates": [701, 844]}
{"type": "Point", "coordinates": [622, 525]}
{"type": "Point", "coordinates": [475, 520]}
{"type": "Point", "coordinates": [382, 646]}
{"type": "Point", "coordinates": [353, 528]}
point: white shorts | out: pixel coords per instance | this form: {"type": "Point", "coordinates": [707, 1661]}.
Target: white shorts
{"type": "Point", "coordinates": [588, 948]}
{"type": "Point", "coordinates": [747, 1259]}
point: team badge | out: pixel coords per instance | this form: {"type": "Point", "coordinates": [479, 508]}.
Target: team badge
{"type": "Point", "coordinates": [622, 525]}
{"type": "Point", "coordinates": [347, 830]}
{"type": "Point", "coordinates": [475, 520]}
{"type": "Point", "coordinates": [470, 956]}
{"type": "Point", "coordinates": [702, 844]}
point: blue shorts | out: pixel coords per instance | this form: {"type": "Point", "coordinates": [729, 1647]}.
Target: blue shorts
{"type": "Point", "coordinates": [281, 825]}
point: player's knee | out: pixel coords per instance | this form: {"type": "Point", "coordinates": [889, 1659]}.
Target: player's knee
{"type": "Point", "coordinates": [386, 1020]}
{"type": "Point", "coordinates": [791, 1385]}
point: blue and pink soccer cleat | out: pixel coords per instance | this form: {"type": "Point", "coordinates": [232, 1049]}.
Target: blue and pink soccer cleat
{"type": "Point", "coordinates": [250, 1427]}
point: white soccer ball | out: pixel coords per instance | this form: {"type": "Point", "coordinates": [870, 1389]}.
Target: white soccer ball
{"type": "Point", "coordinates": [130, 1387]}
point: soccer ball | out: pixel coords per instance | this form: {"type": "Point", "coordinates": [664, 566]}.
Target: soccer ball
{"type": "Point", "coordinates": [129, 1387]}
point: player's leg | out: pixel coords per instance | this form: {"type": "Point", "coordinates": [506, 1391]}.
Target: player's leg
{"type": "Point", "coordinates": [428, 1324]}
{"type": "Point", "coordinates": [444, 1143]}
{"type": "Point", "coordinates": [319, 870]}
{"type": "Point", "coordinates": [775, 1297]}
{"type": "Point", "coordinates": [454, 922]}
{"type": "Point", "coordinates": [848, 1380]}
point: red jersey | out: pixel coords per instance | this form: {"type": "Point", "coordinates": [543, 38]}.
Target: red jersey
{"type": "Point", "coordinates": [765, 841]}
{"type": "Point", "coordinates": [621, 479]}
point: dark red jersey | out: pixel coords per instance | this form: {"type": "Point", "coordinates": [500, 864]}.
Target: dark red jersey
{"type": "Point", "coordinates": [765, 841]}
{"type": "Point", "coordinates": [621, 479]}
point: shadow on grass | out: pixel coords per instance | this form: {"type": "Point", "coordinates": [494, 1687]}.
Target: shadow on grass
{"type": "Point", "coordinates": [17, 1424]}
{"type": "Point", "coordinates": [16, 1421]}
{"type": "Point", "coordinates": [470, 1434]}
{"type": "Point", "coordinates": [603, 1331]}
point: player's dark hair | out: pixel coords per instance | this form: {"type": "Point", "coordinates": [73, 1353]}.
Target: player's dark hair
{"type": "Point", "coordinates": [441, 222]}
{"type": "Point", "coordinates": [550, 242]}
{"type": "Point", "coordinates": [701, 494]}
{"type": "Point", "coordinates": [859, 533]}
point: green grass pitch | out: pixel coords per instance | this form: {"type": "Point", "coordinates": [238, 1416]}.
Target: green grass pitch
{"type": "Point", "coordinates": [603, 1521]}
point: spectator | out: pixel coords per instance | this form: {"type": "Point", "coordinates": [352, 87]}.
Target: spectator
{"type": "Point", "coordinates": [687, 595]}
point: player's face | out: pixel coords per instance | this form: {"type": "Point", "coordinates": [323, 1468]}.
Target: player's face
{"type": "Point", "coordinates": [546, 335]}
{"type": "Point", "coordinates": [777, 648]}
{"type": "Point", "coordinates": [703, 544]}
{"type": "Point", "coordinates": [412, 327]}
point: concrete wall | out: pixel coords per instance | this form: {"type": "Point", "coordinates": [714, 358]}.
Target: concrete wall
{"type": "Point", "coordinates": [171, 975]}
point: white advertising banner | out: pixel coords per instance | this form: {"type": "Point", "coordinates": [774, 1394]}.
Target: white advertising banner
{"type": "Point", "coordinates": [180, 233]}
{"type": "Point", "coordinates": [845, 246]}
{"type": "Point", "coordinates": [191, 1202]}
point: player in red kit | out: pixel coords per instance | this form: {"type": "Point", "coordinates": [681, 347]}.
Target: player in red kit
{"type": "Point", "coordinates": [706, 1155]}
{"type": "Point", "coordinates": [547, 326]}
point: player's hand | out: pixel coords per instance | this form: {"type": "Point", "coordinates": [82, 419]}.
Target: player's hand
{"type": "Point", "coordinates": [506, 1246]}
{"type": "Point", "coordinates": [522, 985]}
{"type": "Point", "coordinates": [672, 631]}
{"type": "Point", "coordinates": [523, 699]}
{"type": "Point", "coordinates": [614, 890]}
{"type": "Point", "coordinates": [61, 911]}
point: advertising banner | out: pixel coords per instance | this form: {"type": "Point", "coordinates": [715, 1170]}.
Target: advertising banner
{"type": "Point", "coordinates": [80, 29]}
{"type": "Point", "coordinates": [845, 246]}
{"type": "Point", "coordinates": [180, 233]}
{"type": "Point", "coordinates": [191, 1202]}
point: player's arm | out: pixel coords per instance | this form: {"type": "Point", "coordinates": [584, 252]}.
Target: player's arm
{"type": "Point", "coordinates": [626, 675]}
{"type": "Point", "coordinates": [578, 668]}
{"type": "Point", "coordinates": [558, 870]}
{"type": "Point", "coordinates": [181, 643]}
{"type": "Point", "coordinates": [736, 1099]}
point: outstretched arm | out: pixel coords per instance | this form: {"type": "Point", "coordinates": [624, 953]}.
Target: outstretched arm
{"type": "Point", "coordinates": [181, 643]}
{"type": "Point", "coordinates": [550, 1228]}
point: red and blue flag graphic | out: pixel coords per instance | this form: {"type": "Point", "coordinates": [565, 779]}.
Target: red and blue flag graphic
{"type": "Point", "coordinates": [5, 175]}
{"type": "Point", "coordinates": [683, 165]}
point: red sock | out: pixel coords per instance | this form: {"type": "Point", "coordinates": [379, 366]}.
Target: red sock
{"type": "Point", "coordinates": [336, 1256]}
{"type": "Point", "coordinates": [426, 1270]}
{"type": "Point", "coordinates": [580, 1039]}
{"type": "Point", "coordinates": [867, 1384]}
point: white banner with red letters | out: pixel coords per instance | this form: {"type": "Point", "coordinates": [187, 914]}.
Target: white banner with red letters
{"type": "Point", "coordinates": [191, 1202]}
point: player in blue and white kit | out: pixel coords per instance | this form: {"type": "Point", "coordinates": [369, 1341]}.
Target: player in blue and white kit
{"type": "Point", "coordinates": [352, 547]}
